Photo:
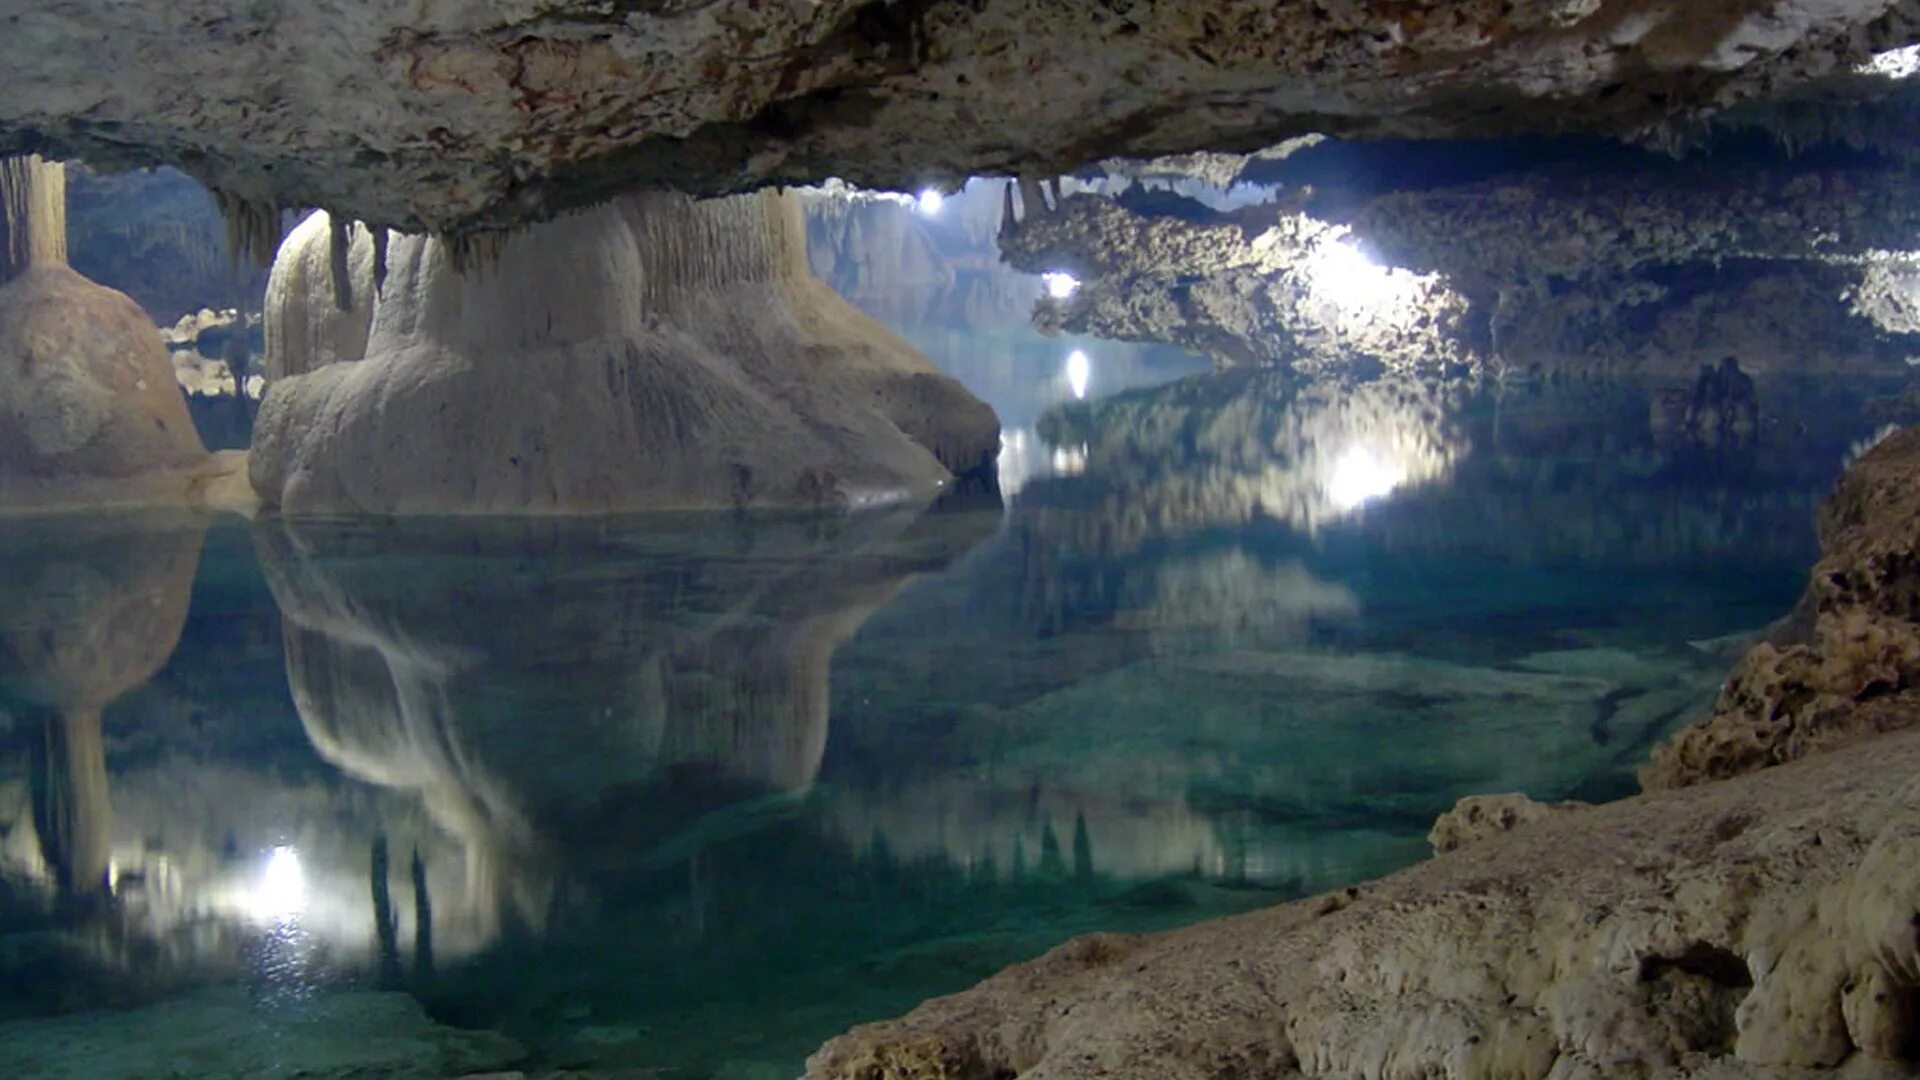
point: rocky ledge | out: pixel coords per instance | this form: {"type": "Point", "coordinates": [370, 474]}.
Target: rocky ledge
{"type": "Point", "coordinates": [1759, 925]}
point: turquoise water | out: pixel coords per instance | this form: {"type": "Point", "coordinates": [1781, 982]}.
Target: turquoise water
{"type": "Point", "coordinates": [694, 793]}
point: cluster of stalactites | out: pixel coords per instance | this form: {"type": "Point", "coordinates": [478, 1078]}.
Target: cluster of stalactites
{"type": "Point", "coordinates": [33, 214]}
{"type": "Point", "coordinates": [254, 231]}
{"type": "Point", "coordinates": [1034, 199]}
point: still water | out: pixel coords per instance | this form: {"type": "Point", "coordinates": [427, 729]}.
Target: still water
{"type": "Point", "coordinates": [694, 793]}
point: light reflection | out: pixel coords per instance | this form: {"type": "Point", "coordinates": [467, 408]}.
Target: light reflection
{"type": "Point", "coordinates": [1060, 285]}
{"type": "Point", "coordinates": [281, 894]}
{"type": "Point", "coordinates": [930, 201]}
{"type": "Point", "coordinates": [1358, 475]}
{"type": "Point", "coordinates": [1903, 63]}
{"type": "Point", "coordinates": [1079, 372]}
{"type": "Point", "coordinates": [1339, 271]}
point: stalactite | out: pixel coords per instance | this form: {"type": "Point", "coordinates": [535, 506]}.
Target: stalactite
{"type": "Point", "coordinates": [253, 229]}
{"type": "Point", "coordinates": [474, 253]}
{"type": "Point", "coordinates": [1008, 216]}
{"type": "Point", "coordinates": [340, 242]}
{"type": "Point", "coordinates": [1032, 200]}
{"type": "Point", "coordinates": [1053, 189]}
{"type": "Point", "coordinates": [33, 215]}
{"type": "Point", "coordinates": [379, 260]}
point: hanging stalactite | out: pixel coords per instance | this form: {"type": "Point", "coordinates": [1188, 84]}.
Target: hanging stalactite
{"type": "Point", "coordinates": [340, 242]}
{"type": "Point", "coordinates": [253, 228]}
{"type": "Point", "coordinates": [379, 260]}
{"type": "Point", "coordinates": [33, 214]}
{"type": "Point", "coordinates": [474, 253]}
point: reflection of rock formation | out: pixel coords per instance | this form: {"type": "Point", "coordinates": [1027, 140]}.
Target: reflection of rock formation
{"type": "Point", "coordinates": [88, 611]}
{"type": "Point", "coordinates": [89, 411]}
{"type": "Point", "coordinates": [1245, 446]}
{"type": "Point", "coordinates": [652, 353]}
{"type": "Point", "coordinates": [554, 718]}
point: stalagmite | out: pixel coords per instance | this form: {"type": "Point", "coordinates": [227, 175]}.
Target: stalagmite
{"type": "Point", "coordinates": [90, 412]}
{"type": "Point", "coordinates": [655, 352]}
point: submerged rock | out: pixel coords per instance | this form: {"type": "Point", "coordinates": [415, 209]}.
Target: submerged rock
{"type": "Point", "coordinates": [224, 1035]}
{"type": "Point", "coordinates": [653, 353]}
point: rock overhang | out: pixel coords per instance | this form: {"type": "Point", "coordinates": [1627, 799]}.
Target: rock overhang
{"type": "Point", "coordinates": [458, 118]}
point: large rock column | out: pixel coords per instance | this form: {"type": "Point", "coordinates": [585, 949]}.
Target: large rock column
{"type": "Point", "coordinates": [89, 409]}
{"type": "Point", "coordinates": [653, 352]}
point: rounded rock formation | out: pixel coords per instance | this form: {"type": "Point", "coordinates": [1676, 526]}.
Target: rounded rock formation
{"type": "Point", "coordinates": [89, 409]}
{"type": "Point", "coordinates": [655, 352]}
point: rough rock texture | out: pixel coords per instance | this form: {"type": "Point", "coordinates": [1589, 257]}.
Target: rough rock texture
{"type": "Point", "coordinates": [686, 358]}
{"type": "Point", "coordinates": [1857, 671]}
{"type": "Point", "coordinates": [1759, 923]}
{"type": "Point", "coordinates": [1269, 285]}
{"type": "Point", "coordinates": [1565, 258]}
{"type": "Point", "coordinates": [453, 117]}
{"type": "Point", "coordinates": [1478, 817]}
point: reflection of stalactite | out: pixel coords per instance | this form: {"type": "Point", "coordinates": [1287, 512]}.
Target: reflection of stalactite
{"type": "Point", "coordinates": [422, 922]}
{"type": "Point", "coordinates": [386, 926]}
{"type": "Point", "coordinates": [73, 811]}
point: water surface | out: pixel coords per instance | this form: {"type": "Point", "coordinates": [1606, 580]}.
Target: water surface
{"type": "Point", "coordinates": [696, 792]}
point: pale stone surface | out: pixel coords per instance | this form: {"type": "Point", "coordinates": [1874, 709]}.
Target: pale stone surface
{"type": "Point", "coordinates": [1477, 817]}
{"type": "Point", "coordinates": [451, 116]}
{"type": "Point", "coordinates": [88, 398]}
{"type": "Point", "coordinates": [653, 353]}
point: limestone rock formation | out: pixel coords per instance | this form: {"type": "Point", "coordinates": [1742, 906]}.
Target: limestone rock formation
{"type": "Point", "coordinates": [1857, 673]}
{"type": "Point", "coordinates": [89, 410]}
{"type": "Point", "coordinates": [454, 118]}
{"type": "Point", "coordinates": [1477, 817]}
{"type": "Point", "coordinates": [656, 352]}
{"type": "Point", "coordinates": [1548, 255]}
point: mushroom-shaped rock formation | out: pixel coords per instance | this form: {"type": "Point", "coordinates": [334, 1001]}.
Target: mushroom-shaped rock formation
{"type": "Point", "coordinates": [655, 352]}
{"type": "Point", "coordinates": [89, 409]}
{"type": "Point", "coordinates": [88, 610]}
{"type": "Point", "coordinates": [454, 118]}
{"type": "Point", "coordinates": [559, 719]}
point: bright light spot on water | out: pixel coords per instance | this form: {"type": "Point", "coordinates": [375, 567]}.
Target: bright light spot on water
{"type": "Point", "coordinates": [1060, 285]}
{"type": "Point", "coordinates": [1079, 373]}
{"type": "Point", "coordinates": [282, 891]}
{"type": "Point", "coordinates": [1894, 64]}
{"type": "Point", "coordinates": [930, 201]}
{"type": "Point", "coordinates": [1359, 476]}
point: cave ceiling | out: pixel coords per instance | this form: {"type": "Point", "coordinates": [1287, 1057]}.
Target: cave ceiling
{"type": "Point", "coordinates": [459, 117]}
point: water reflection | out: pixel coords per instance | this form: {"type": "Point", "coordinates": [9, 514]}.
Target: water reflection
{"type": "Point", "coordinates": [695, 792]}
